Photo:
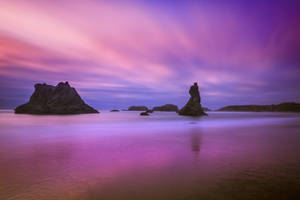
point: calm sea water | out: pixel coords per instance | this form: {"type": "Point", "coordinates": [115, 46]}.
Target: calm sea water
{"type": "Point", "coordinates": [227, 155]}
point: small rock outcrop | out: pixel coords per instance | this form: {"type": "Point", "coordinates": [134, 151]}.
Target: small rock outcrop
{"type": "Point", "coordinates": [115, 110]}
{"type": "Point", "coordinates": [144, 113]}
{"type": "Point", "coordinates": [166, 107]}
{"type": "Point", "coordinates": [149, 111]}
{"type": "Point", "coordinates": [59, 99]}
{"type": "Point", "coordinates": [137, 108]}
{"type": "Point", "coordinates": [193, 106]}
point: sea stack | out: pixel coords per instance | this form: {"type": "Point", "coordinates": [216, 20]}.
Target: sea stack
{"type": "Point", "coordinates": [59, 99]}
{"type": "Point", "coordinates": [193, 106]}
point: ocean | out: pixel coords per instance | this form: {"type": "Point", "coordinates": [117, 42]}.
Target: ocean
{"type": "Point", "coordinates": [122, 155]}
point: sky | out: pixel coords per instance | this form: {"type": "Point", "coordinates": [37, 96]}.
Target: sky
{"type": "Point", "coordinates": [149, 52]}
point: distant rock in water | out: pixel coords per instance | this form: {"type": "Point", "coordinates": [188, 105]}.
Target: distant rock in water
{"type": "Point", "coordinates": [144, 113]}
{"type": "Point", "coordinates": [137, 108]}
{"type": "Point", "coordinates": [166, 107]}
{"type": "Point", "coordinates": [115, 110]}
{"type": "Point", "coordinates": [206, 109]}
{"type": "Point", "coordinates": [193, 106]}
{"type": "Point", "coordinates": [60, 99]}
{"type": "Point", "coordinates": [282, 107]}
{"type": "Point", "coordinates": [149, 111]}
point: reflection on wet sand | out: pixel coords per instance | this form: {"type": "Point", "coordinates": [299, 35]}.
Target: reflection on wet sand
{"type": "Point", "coordinates": [252, 157]}
{"type": "Point", "coordinates": [195, 137]}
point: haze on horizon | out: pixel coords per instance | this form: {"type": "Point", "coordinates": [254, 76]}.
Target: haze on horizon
{"type": "Point", "coordinates": [122, 53]}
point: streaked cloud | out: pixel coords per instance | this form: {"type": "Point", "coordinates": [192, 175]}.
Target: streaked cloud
{"type": "Point", "coordinates": [151, 46]}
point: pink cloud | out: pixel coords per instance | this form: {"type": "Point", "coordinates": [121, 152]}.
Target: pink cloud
{"type": "Point", "coordinates": [106, 43]}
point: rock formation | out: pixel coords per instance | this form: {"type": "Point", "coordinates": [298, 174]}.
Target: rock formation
{"type": "Point", "coordinates": [60, 99]}
{"type": "Point", "coordinates": [206, 109]}
{"type": "Point", "coordinates": [282, 107]}
{"type": "Point", "coordinates": [144, 113]}
{"type": "Point", "coordinates": [115, 110]}
{"type": "Point", "coordinates": [166, 107]}
{"type": "Point", "coordinates": [149, 111]}
{"type": "Point", "coordinates": [193, 106]}
{"type": "Point", "coordinates": [137, 108]}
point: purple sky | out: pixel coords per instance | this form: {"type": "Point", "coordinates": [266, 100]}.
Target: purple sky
{"type": "Point", "coordinates": [122, 53]}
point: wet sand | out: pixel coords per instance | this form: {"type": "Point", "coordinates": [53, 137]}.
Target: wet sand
{"type": "Point", "coordinates": [163, 156]}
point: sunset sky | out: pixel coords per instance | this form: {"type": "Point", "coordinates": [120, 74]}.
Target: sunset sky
{"type": "Point", "coordinates": [121, 53]}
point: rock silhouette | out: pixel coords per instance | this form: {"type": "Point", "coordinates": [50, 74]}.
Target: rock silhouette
{"type": "Point", "coordinates": [144, 113]}
{"type": "Point", "coordinates": [59, 99]}
{"type": "Point", "coordinates": [282, 107]}
{"type": "Point", "coordinates": [137, 108]}
{"type": "Point", "coordinates": [149, 111]}
{"type": "Point", "coordinates": [193, 106]}
{"type": "Point", "coordinates": [166, 107]}
{"type": "Point", "coordinates": [206, 109]}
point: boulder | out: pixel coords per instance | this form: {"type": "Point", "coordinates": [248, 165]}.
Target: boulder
{"type": "Point", "coordinates": [149, 111]}
{"type": "Point", "coordinates": [144, 113]}
{"type": "Point", "coordinates": [137, 108]}
{"type": "Point", "coordinates": [166, 107]}
{"type": "Point", "coordinates": [193, 106]}
{"type": "Point", "coordinates": [59, 99]}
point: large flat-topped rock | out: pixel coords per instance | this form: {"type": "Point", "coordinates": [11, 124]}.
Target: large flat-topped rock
{"type": "Point", "coordinates": [59, 99]}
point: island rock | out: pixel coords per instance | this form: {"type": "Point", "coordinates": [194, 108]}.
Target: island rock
{"type": "Point", "coordinates": [193, 106]}
{"type": "Point", "coordinates": [166, 107]}
{"type": "Point", "coordinates": [59, 99]}
{"type": "Point", "coordinates": [137, 108]}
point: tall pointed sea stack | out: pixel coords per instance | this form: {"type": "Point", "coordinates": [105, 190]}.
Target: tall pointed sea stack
{"type": "Point", "coordinates": [60, 99]}
{"type": "Point", "coordinates": [193, 106]}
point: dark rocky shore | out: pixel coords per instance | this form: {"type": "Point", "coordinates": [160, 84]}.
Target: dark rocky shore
{"type": "Point", "coordinates": [59, 99]}
{"type": "Point", "coordinates": [193, 106]}
{"type": "Point", "coordinates": [282, 107]}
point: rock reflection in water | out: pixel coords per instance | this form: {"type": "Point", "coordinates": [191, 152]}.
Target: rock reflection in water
{"type": "Point", "coordinates": [195, 138]}
{"type": "Point", "coordinates": [123, 156]}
